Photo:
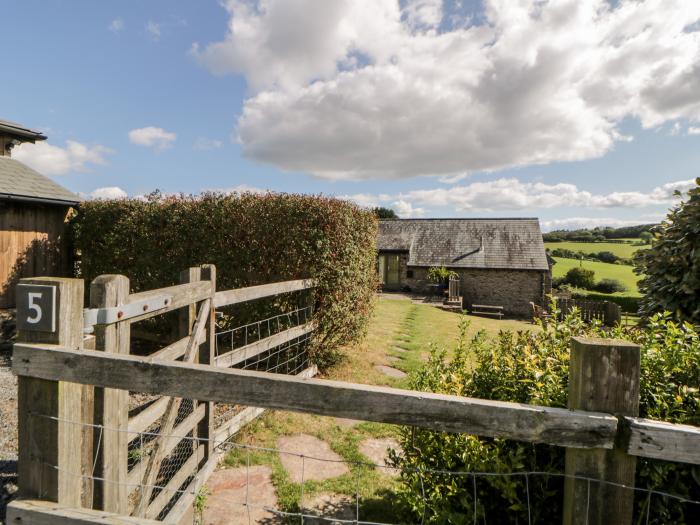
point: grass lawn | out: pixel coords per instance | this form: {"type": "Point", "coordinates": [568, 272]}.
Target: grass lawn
{"type": "Point", "coordinates": [621, 272]}
{"type": "Point", "coordinates": [399, 329]}
{"type": "Point", "coordinates": [626, 250]}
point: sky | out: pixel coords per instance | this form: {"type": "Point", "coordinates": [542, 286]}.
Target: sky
{"type": "Point", "coordinates": [578, 112]}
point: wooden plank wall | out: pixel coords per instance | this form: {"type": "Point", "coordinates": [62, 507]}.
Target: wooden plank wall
{"type": "Point", "coordinates": [33, 242]}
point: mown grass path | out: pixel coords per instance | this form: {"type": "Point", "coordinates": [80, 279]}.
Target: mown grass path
{"type": "Point", "coordinates": [399, 336]}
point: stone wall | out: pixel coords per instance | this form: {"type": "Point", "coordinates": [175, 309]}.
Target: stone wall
{"type": "Point", "coordinates": [511, 289]}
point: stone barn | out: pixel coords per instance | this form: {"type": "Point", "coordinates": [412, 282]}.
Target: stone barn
{"type": "Point", "coordinates": [500, 262]}
{"type": "Point", "coordinates": [33, 213]}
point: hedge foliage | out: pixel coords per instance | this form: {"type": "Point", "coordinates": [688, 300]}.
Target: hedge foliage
{"type": "Point", "coordinates": [628, 303]}
{"type": "Point", "coordinates": [671, 267]}
{"type": "Point", "coordinates": [252, 239]}
{"type": "Point", "coordinates": [533, 367]}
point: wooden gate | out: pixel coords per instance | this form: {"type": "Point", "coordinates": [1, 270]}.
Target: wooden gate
{"type": "Point", "coordinates": [133, 451]}
{"type": "Point", "coordinates": [75, 422]}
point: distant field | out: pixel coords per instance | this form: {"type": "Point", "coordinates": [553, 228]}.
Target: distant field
{"type": "Point", "coordinates": [626, 251]}
{"type": "Point", "coordinates": [620, 272]}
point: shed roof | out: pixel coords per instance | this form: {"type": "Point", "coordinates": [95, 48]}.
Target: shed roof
{"type": "Point", "coordinates": [467, 243]}
{"type": "Point", "coordinates": [19, 131]}
{"type": "Point", "coordinates": [22, 183]}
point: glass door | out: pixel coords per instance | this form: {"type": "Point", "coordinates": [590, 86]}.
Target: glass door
{"type": "Point", "coordinates": [388, 268]}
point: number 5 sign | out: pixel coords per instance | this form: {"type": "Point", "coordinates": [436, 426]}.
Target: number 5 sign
{"type": "Point", "coordinates": [36, 307]}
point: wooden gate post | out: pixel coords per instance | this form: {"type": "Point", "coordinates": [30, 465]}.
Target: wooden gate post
{"type": "Point", "coordinates": [207, 349]}
{"type": "Point", "coordinates": [111, 405]}
{"type": "Point", "coordinates": [603, 377]}
{"type": "Point", "coordinates": [50, 310]}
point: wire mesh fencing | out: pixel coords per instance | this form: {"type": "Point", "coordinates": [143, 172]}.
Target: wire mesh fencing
{"type": "Point", "coordinates": [247, 493]}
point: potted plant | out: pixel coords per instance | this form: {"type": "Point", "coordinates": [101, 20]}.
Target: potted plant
{"type": "Point", "coordinates": [440, 276]}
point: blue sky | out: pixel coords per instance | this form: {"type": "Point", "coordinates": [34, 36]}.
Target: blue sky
{"type": "Point", "coordinates": [435, 109]}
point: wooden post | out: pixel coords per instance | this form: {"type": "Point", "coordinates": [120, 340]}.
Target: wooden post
{"type": "Point", "coordinates": [603, 377]}
{"type": "Point", "coordinates": [111, 405]}
{"type": "Point", "coordinates": [207, 349]}
{"type": "Point", "coordinates": [50, 449]}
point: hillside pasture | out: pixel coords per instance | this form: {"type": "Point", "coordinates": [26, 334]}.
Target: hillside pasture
{"type": "Point", "coordinates": [624, 250]}
{"type": "Point", "coordinates": [620, 272]}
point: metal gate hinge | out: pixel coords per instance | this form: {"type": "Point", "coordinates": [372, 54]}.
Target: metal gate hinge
{"type": "Point", "coordinates": [115, 314]}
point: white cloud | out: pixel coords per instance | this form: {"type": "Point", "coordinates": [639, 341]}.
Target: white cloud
{"type": "Point", "coordinates": [423, 13]}
{"type": "Point", "coordinates": [116, 25]}
{"type": "Point", "coordinates": [241, 188]}
{"type": "Point", "coordinates": [405, 210]}
{"type": "Point", "coordinates": [55, 160]}
{"type": "Point", "coordinates": [108, 192]}
{"type": "Point", "coordinates": [205, 144]}
{"type": "Point", "coordinates": [153, 29]}
{"type": "Point", "coordinates": [350, 89]}
{"type": "Point", "coordinates": [510, 194]}
{"type": "Point", "coordinates": [693, 131]}
{"type": "Point", "coordinates": [576, 223]}
{"type": "Point", "coordinates": [152, 137]}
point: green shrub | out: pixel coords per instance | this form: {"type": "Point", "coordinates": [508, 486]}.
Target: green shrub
{"type": "Point", "coordinates": [671, 267]}
{"type": "Point", "coordinates": [607, 257]}
{"type": "Point", "coordinates": [609, 286]}
{"type": "Point", "coordinates": [252, 239]}
{"type": "Point", "coordinates": [627, 303]}
{"type": "Point", "coordinates": [439, 274]}
{"type": "Point", "coordinates": [581, 278]}
{"type": "Point", "coordinates": [532, 367]}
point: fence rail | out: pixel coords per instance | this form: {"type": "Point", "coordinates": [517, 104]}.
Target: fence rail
{"type": "Point", "coordinates": [600, 429]}
{"type": "Point", "coordinates": [140, 446]}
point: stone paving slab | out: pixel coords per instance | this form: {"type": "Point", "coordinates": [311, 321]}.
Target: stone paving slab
{"type": "Point", "coordinates": [328, 465]}
{"type": "Point", "coordinates": [228, 489]}
{"type": "Point", "coordinates": [326, 505]}
{"type": "Point", "coordinates": [389, 371]}
{"type": "Point", "coordinates": [376, 451]}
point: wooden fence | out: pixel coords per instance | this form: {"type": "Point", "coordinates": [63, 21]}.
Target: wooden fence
{"type": "Point", "coordinates": [108, 451]}
{"type": "Point", "coordinates": [600, 429]}
{"type": "Point", "coordinates": [607, 312]}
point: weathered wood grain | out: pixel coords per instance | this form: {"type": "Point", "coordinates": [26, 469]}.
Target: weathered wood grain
{"type": "Point", "coordinates": [178, 514]}
{"type": "Point", "coordinates": [238, 355]}
{"type": "Point", "coordinates": [660, 440]}
{"type": "Point", "coordinates": [144, 419]}
{"type": "Point", "coordinates": [557, 426]}
{"type": "Point", "coordinates": [241, 295]}
{"type": "Point", "coordinates": [41, 512]}
{"type": "Point", "coordinates": [170, 442]}
{"type": "Point", "coordinates": [50, 462]}
{"type": "Point", "coordinates": [170, 414]}
{"type": "Point", "coordinates": [182, 295]}
{"type": "Point", "coordinates": [245, 416]}
{"type": "Point", "coordinates": [111, 405]}
{"type": "Point", "coordinates": [188, 469]}
{"type": "Point", "coordinates": [603, 375]}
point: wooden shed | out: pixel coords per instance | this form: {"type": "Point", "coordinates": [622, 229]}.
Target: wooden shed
{"type": "Point", "coordinates": [33, 213]}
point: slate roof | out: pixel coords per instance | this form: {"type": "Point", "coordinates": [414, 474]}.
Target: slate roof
{"type": "Point", "coordinates": [466, 243]}
{"type": "Point", "coordinates": [22, 183]}
{"type": "Point", "coordinates": [19, 131]}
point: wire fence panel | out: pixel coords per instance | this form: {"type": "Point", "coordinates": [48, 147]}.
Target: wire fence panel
{"type": "Point", "coordinates": [179, 475]}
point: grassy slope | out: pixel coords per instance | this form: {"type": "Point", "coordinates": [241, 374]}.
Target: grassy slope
{"type": "Point", "coordinates": [626, 251]}
{"type": "Point", "coordinates": [396, 323]}
{"type": "Point", "coordinates": [621, 272]}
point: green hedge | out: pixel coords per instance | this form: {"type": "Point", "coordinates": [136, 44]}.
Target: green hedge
{"type": "Point", "coordinates": [627, 303]}
{"type": "Point", "coordinates": [252, 239]}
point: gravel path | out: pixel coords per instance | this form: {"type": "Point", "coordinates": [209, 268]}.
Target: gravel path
{"type": "Point", "coordinates": [8, 432]}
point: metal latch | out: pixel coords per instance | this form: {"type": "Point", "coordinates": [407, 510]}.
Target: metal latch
{"type": "Point", "coordinates": [114, 314]}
